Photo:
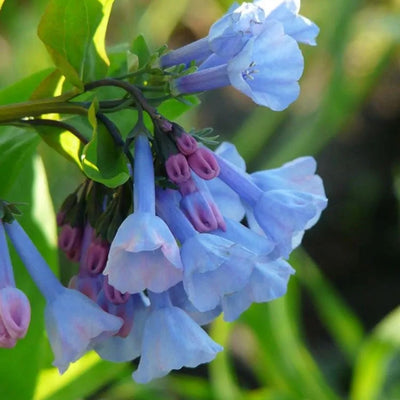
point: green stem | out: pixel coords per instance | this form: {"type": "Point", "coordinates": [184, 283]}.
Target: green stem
{"type": "Point", "coordinates": [35, 108]}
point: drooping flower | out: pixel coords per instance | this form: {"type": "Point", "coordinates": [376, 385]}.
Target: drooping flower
{"type": "Point", "coordinates": [119, 348]}
{"type": "Point", "coordinates": [253, 47]}
{"type": "Point", "coordinates": [143, 254]}
{"type": "Point", "coordinates": [282, 210]}
{"type": "Point", "coordinates": [15, 311]}
{"type": "Point", "coordinates": [213, 266]}
{"type": "Point", "coordinates": [241, 23]}
{"type": "Point", "coordinates": [73, 321]}
{"type": "Point", "coordinates": [171, 340]}
{"type": "Point", "coordinates": [268, 281]}
{"type": "Point", "coordinates": [269, 78]}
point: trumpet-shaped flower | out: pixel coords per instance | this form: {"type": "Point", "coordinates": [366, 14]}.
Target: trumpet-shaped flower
{"type": "Point", "coordinates": [144, 253]}
{"type": "Point", "coordinates": [213, 265]}
{"type": "Point", "coordinates": [15, 315]}
{"type": "Point", "coordinates": [267, 282]}
{"type": "Point", "coordinates": [73, 321]}
{"type": "Point", "coordinates": [117, 348]}
{"type": "Point", "coordinates": [171, 340]}
{"type": "Point", "coordinates": [15, 310]}
{"type": "Point", "coordinates": [285, 208]}
{"type": "Point", "coordinates": [241, 23]}
{"type": "Point", "coordinates": [269, 78]}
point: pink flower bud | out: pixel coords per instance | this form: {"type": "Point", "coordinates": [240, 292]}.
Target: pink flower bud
{"type": "Point", "coordinates": [203, 163]}
{"type": "Point", "coordinates": [113, 295]}
{"type": "Point", "coordinates": [96, 256]}
{"type": "Point", "coordinates": [15, 315]}
{"type": "Point", "coordinates": [187, 144]}
{"type": "Point", "coordinates": [177, 168]}
{"type": "Point", "coordinates": [69, 241]}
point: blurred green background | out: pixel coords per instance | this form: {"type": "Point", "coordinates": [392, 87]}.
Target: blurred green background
{"type": "Point", "coordinates": [336, 335]}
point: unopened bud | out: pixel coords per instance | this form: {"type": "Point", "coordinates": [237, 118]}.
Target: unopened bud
{"type": "Point", "coordinates": [177, 168]}
{"type": "Point", "coordinates": [186, 144]}
{"type": "Point", "coordinates": [203, 163]}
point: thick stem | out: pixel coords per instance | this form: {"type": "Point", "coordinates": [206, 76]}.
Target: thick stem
{"type": "Point", "coordinates": [35, 108]}
{"type": "Point", "coordinates": [37, 267]}
{"type": "Point", "coordinates": [144, 189]}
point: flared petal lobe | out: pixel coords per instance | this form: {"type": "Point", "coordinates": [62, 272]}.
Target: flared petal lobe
{"type": "Point", "coordinates": [74, 323]}
{"type": "Point", "coordinates": [172, 340]}
{"type": "Point", "coordinates": [143, 255]}
{"type": "Point", "coordinates": [268, 281]}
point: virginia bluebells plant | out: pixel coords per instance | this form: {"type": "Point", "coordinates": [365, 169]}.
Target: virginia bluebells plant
{"type": "Point", "coordinates": [190, 235]}
{"type": "Point", "coordinates": [254, 48]}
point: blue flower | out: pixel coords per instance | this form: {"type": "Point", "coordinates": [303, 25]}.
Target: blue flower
{"type": "Point", "coordinates": [73, 321]}
{"type": "Point", "coordinates": [179, 298]}
{"type": "Point", "coordinates": [171, 340]}
{"type": "Point", "coordinates": [144, 253]}
{"type": "Point", "coordinates": [241, 23]}
{"type": "Point", "coordinates": [283, 202]}
{"type": "Point", "coordinates": [269, 78]}
{"type": "Point", "coordinates": [213, 266]}
{"type": "Point", "coordinates": [267, 282]}
{"type": "Point", "coordinates": [120, 349]}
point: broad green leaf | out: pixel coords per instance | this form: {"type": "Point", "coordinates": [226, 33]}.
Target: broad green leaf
{"type": "Point", "coordinates": [173, 108]}
{"type": "Point", "coordinates": [371, 368]}
{"type": "Point", "coordinates": [63, 141]}
{"type": "Point", "coordinates": [23, 89]}
{"type": "Point", "coordinates": [19, 366]}
{"type": "Point", "coordinates": [102, 160]}
{"type": "Point", "coordinates": [142, 51]}
{"type": "Point", "coordinates": [15, 146]}
{"type": "Point", "coordinates": [74, 32]}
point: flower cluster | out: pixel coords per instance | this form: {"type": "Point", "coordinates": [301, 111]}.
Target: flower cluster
{"type": "Point", "coordinates": [191, 235]}
{"type": "Point", "coordinates": [254, 48]}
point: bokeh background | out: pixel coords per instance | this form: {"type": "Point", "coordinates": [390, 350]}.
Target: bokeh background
{"type": "Point", "coordinates": [337, 332]}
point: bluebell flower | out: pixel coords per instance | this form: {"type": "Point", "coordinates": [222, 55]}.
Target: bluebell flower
{"type": "Point", "coordinates": [282, 211]}
{"type": "Point", "coordinates": [15, 310]}
{"type": "Point", "coordinates": [171, 340]}
{"type": "Point", "coordinates": [73, 322]}
{"type": "Point", "coordinates": [120, 349]}
{"type": "Point", "coordinates": [144, 253]}
{"type": "Point", "coordinates": [226, 199]}
{"type": "Point", "coordinates": [213, 265]}
{"type": "Point", "coordinates": [231, 32]}
{"type": "Point", "coordinates": [269, 78]}
{"type": "Point", "coordinates": [268, 281]}
{"type": "Point", "coordinates": [296, 176]}
{"type": "Point", "coordinates": [180, 299]}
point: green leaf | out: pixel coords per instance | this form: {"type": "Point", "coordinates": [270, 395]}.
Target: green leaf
{"type": "Point", "coordinates": [23, 89]}
{"type": "Point", "coordinates": [102, 161]}
{"type": "Point", "coordinates": [74, 32]}
{"type": "Point", "coordinates": [140, 48]}
{"type": "Point", "coordinates": [1, 3]}
{"type": "Point", "coordinates": [172, 108]}
{"type": "Point", "coordinates": [15, 146]}
{"type": "Point", "coordinates": [371, 368]}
